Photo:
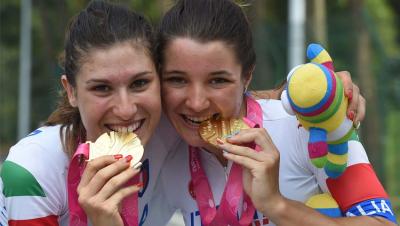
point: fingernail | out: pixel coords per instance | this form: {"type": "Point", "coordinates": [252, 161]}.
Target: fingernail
{"type": "Point", "coordinates": [118, 156]}
{"type": "Point", "coordinates": [138, 165]}
{"type": "Point", "coordinates": [220, 141]}
{"type": "Point", "coordinates": [128, 158]}
{"type": "Point", "coordinates": [349, 94]}
{"type": "Point", "coordinates": [139, 185]}
{"type": "Point", "coordinates": [351, 115]}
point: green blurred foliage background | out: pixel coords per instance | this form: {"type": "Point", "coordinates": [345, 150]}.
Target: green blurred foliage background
{"type": "Point", "coordinates": [362, 36]}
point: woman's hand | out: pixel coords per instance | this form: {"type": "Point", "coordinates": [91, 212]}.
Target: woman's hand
{"type": "Point", "coordinates": [260, 169]}
{"type": "Point", "coordinates": [102, 190]}
{"type": "Point", "coordinates": [356, 108]}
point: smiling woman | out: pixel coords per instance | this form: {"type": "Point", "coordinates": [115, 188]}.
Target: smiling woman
{"type": "Point", "coordinates": [121, 82]}
{"type": "Point", "coordinates": [201, 80]}
{"type": "Point", "coordinates": [111, 84]}
{"type": "Point", "coordinates": [256, 176]}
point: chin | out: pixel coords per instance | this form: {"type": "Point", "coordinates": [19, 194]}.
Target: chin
{"type": "Point", "coordinates": [194, 141]}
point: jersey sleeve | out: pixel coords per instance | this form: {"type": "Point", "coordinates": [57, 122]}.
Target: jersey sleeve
{"type": "Point", "coordinates": [358, 191]}
{"type": "Point", "coordinates": [3, 211]}
{"type": "Point", "coordinates": [33, 187]}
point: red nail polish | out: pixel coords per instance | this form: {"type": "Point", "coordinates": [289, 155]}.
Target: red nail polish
{"type": "Point", "coordinates": [118, 156]}
{"type": "Point", "coordinates": [351, 115]}
{"type": "Point", "coordinates": [139, 185]}
{"type": "Point", "coordinates": [128, 158]}
{"type": "Point", "coordinates": [349, 94]}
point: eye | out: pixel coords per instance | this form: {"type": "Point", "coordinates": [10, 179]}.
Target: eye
{"type": "Point", "coordinates": [140, 84]}
{"type": "Point", "coordinates": [219, 82]}
{"type": "Point", "coordinates": [101, 88]}
{"type": "Point", "coordinates": [175, 81]}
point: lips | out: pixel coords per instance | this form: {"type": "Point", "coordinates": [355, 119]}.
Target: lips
{"type": "Point", "coordinates": [197, 120]}
{"type": "Point", "coordinates": [126, 128]}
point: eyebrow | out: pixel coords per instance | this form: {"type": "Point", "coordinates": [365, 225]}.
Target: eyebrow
{"type": "Point", "coordinates": [221, 72]}
{"type": "Point", "coordinates": [173, 72]}
{"type": "Point", "coordinates": [107, 80]}
{"type": "Point", "coordinates": [214, 73]}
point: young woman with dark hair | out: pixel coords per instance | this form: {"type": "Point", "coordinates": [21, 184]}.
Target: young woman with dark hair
{"type": "Point", "coordinates": [111, 84]}
{"type": "Point", "coordinates": [207, 59]}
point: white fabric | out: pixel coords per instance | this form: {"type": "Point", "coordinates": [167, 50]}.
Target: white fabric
{"type": "Point", "coordinates": [42, 155]}
{"type": "Point", "coordinates": [298, 180]}
{"type": "Point", "coordinates": [3, 211]}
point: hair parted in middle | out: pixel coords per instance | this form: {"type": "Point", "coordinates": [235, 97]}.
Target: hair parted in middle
{"type": "Point", "coordinates": [209, 20]}
{"type": "Point", "coordinates": [100, 25]}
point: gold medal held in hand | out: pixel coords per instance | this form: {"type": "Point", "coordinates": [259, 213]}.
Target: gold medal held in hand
{"type": "Point", "coordinates": [221, 128]}
{"type": "Point", "coordinates": [117, 143]}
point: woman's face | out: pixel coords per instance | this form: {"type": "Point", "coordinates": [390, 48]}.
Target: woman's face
{"type": "Point", "coordinates": [117, 89]}
{"type": "Point", "coordinates": [200, 80]}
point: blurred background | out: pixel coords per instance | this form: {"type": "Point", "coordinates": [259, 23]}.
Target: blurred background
{"type": "Point", "coordinates": [362, 36]}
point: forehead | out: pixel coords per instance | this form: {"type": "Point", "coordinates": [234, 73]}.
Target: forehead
{"type": "Point", "coordinates": [124, 56]}
{"type": "Point", "coordinates": [190, 52]}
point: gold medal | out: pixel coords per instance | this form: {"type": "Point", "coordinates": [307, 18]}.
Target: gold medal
{"type": "Point", "coordinates": [117, 143]}
{"type": "Point", "coordinates": [221, 128]}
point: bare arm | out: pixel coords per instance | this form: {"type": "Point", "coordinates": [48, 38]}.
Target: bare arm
{"type": "Point", "coordinates": [261, 183]}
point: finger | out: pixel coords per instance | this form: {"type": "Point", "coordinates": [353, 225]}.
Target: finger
{"type": "Point", "coordinates": [95, 165]}
{"type": "Point", "coordinates": [103, 175]}
{"type": "Point", "coordinates": [352, 109]}
{"type": "Point", "coordinates": [347, 83]}
{"type": "Point", "coordinates": [240, 150]}
{"type": "Point", "coordinates": [244, 161]}
{"type": "Point", "coordinates": [360, 110]}
{"type": "Point", "coordinates": [257, 135]}
{"type": "Point", "coordinates": [122, 193]}
{"type": "Point", "coordinates": [116, 182]}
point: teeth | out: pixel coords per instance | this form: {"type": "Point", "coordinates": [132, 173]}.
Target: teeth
{"type": "Point", "coordinates": [126, 129]}
{"type": "Point", "coordinates": [198, 119]}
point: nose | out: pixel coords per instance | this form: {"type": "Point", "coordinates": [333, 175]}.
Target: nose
{"type": "Point", "coordinates": [197, 99]}
{"type": "Point", "coordinates": [124, 105]}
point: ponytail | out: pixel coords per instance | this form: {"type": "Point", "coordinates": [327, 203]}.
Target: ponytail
{"type": "Point", "coordinates": [72, 130]}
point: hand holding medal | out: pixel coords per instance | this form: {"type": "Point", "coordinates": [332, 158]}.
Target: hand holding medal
{"type": "Point", "coordinates": [256, 165]}
{"type": "Point", "coordinates": [233, 201]}
{"type": "Point", "coordinates": [108, 183]}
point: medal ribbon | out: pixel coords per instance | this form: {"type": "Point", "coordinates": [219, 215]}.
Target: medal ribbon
{"type": "Point", "coordinates": [233, 192]}
{"type": "Point", "coordinates": [77, 216]}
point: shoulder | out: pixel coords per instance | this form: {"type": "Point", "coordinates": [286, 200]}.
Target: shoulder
{"type": "Point", "coordinates": [273, 110]}
{"type": "Point", "coordinates": [42, 145]}
{"type": "Point", "coordinates": [34, 160]}
{"type": "Point", "coordinates": [36, 169]}
{"type": "Point", "coordinates": [279, 124]}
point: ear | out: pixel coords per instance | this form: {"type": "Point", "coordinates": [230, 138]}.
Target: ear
{"type": "Point", "coordinates": [70, 90]}
{"type": "Point", "coordinates": [248, 77]}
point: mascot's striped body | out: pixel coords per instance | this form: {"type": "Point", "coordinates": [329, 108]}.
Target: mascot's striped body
{"type": "Point", "coordinates": [316, 96]}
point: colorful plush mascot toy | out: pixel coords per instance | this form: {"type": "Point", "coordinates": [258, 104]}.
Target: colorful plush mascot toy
{"type": "Point", "coordinates": [324, 204]}
{"type": "Point", "coordinates": [316, 96]}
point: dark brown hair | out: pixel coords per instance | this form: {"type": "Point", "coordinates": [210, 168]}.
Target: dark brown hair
{"type": "Point", "coordinates": [209, 20]}
{"type": "Point", "coordinates": [100, 25]}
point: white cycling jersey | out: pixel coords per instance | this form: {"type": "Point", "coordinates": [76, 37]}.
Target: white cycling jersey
{"type": "Point", "coordinates": [35, 176]}
{"type": "Point", "coordinates": [298, 178]}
